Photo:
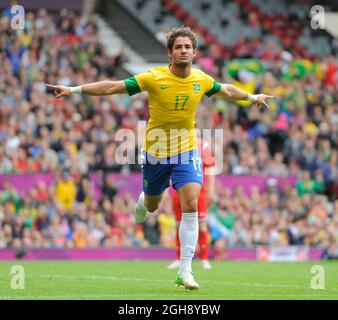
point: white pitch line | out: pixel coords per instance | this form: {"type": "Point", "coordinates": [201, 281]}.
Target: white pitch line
{"type": "Point", "coordinates": [212, 282]}
{"type": "Point", "coordinates": [94, 277]}
{"type": "Point", "coordinates": [164, 295]}
{"type": "Point", "coordinates": [223, 283]}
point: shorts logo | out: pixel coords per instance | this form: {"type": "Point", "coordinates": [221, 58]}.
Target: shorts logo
{"type": "Point", "coordinates": [145, 182]}
{"type": "Point", "coordinates": [196, 87]}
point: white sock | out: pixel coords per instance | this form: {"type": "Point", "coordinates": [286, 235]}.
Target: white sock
{"type": "Point", "coordinates": [188, 234]}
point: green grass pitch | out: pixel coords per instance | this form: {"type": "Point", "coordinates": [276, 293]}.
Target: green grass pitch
{"type": "Point", "coordinates": [140, 280]}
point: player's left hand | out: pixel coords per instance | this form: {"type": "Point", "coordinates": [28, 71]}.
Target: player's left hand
{"type": "Point", "coordinates": [262, 103]}
{"type": "Point", "coordinates": [59, 91]}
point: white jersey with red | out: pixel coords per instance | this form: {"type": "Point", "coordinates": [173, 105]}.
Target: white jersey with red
{"type": "Point", "coordinates": [208, 162]}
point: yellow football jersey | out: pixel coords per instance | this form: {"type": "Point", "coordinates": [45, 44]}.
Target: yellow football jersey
{"type": "Point", "coordinates": [172, 106]}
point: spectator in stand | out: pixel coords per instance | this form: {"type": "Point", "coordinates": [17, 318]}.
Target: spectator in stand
{"type": "Point", "coordinates": [65, 191]}
{"type": "Point", "coordinates": [307, 184]}
{"type": "Point", "coordinates": [41, 134]}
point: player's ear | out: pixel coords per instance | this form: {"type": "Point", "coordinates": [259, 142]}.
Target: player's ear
{"type": "Point", "coordinates": [169, 52]}
{"type": "Point", "coordinates": [194, 52]}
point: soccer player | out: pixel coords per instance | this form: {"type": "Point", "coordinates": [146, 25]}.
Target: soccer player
{"type": "Point", "coordinates": [206, 197]}
{"type": "Point", "coordinates": [170, 145]}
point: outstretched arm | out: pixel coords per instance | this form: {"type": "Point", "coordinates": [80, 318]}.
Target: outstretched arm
{"type": "Point", "coordinates": [230, 91]}
{"type": "Point", "coordinates": [101, 88]}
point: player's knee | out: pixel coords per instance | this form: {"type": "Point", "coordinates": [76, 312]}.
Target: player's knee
{"type": "Point", "coordinates": [151, 206]}
{"type": "Point", "coordinates": [189, 205]}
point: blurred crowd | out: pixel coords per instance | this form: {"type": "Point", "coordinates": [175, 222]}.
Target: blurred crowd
{"type": "Point", "coordinates": [74, 137]}
{"type": "Point", "coordinates": [66, 214]}
{"type": "Point", "coordinates": [273, 218]}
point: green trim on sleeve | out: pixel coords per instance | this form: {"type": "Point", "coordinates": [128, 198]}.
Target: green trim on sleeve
{"type": "Point", "coordinates": [215, 89]}
{"type": "Point", "coordinates": [132, 86]}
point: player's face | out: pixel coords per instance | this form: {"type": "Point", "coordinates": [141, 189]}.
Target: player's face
{"type": "Point", "coordinates": [182, 52]}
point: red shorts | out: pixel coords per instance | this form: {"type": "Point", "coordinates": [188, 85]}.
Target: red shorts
{"type": "Point", "coordinates": [202, 206]}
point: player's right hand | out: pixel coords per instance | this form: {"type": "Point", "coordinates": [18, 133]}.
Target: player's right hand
{"type": "Point", "coordinates": [262, 103]}
{"type": "Point", "coordinates": [60, 91]}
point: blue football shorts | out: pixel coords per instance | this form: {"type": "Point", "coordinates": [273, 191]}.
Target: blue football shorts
{"type": "Point", "coordinates": [183, 168]}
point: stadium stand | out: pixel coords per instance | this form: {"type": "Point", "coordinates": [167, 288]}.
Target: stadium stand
{"type": "Point", "coordinates": [74, 138]}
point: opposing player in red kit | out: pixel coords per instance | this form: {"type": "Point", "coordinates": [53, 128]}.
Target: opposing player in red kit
{"type": "Point", "coordinates": [205, 198]}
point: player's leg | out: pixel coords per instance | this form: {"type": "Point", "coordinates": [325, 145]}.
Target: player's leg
{"type": "Point", "coordinates": [187, 180]}
{"type": "Point", "coordinates": [176, 263]}
{"type": "Point", "coordinates": [146, 203]}
{"type": "Point", "coordinates": [151, 202]}
{"type": "Point", "coordinates": [203, 241]}
{"type": "Point", "coordinates": [178, 243]}
{"type": "Point", "coordinates": [188, 232]}
{"type": "Point", "coordinates": [155, 179]}
{"type": "Point", "coordinates": [203, 237]}
{"type": "Point", "coordinates": [177, 210]}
